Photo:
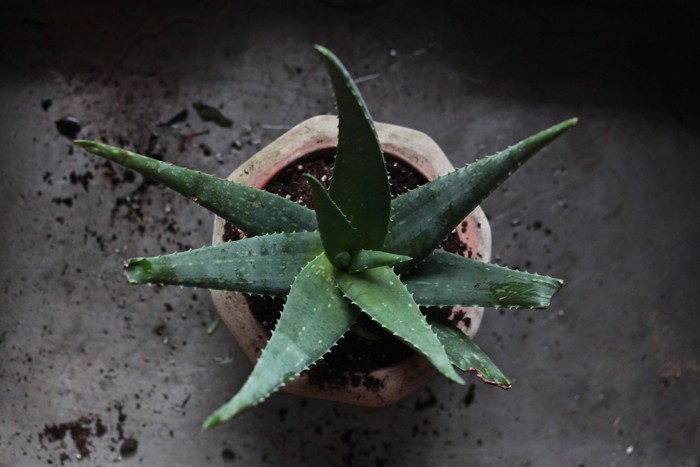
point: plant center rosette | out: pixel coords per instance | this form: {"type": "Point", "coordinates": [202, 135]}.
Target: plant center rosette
{"type": "Point", "coordinates": [379, 386]}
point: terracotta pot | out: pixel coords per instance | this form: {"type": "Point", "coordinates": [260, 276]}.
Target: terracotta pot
{"type": "Point", "coordinates": [319, 133]}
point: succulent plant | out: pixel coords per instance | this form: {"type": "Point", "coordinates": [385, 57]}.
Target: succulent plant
{"type": "Point", "coordinates": [358, 251]}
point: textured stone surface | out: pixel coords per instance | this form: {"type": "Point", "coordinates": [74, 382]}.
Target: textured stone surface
{"type": "Point", "coordinates": [608, 376]}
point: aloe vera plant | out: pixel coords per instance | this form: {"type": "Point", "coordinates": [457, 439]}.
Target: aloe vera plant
{"type": "Point", "coordinates": [358, 251]}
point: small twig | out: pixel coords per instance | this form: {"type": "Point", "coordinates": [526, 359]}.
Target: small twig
{"type": "Point", "coordinates": [184, 139]}
{"type": "Point", "coordinates": [224, 360]}
{"type": "Point", "coordinates": [362, 79]}
{"type": "Point", "coordinates": [266, 126]}
{"type": "Point", "coordinates": [184, 403]}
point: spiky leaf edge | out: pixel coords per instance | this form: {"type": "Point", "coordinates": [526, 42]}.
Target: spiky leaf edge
{"type": "Point", "coordinates": [359, 161]}
{"type": "Point", "coordinates": [340, 239]}
{"type": "Point", "coordinates": [314, 318]}
{"type": "Point", "coordinates": [423, 217]}
{"type": "Point", "coordinates": [465, 354]}
{"type": "Point", "coordinates": [447, 279]}
{"type": "Point", "coordinates": [265, 265]}
{"type": "Point", "coordinates": [254, 211]}
{"type": "Point", "coordinates": [381, 295]}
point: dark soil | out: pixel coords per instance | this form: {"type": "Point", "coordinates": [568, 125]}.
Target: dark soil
{"type": "Point", "coordinates": [68, 127]}
{"type": "Point", "coordinates": [128, 447]}
{"type": "Point", "coordinates": [228, 455]}
{"type": "Point", "coordinates": [353, 353]}
{"type": "Point", "coordinates": [85, 432]}
{"type": "Point", "coordinates": [79, 430]}
{"type": "Point", "coordinates": [351, 361]}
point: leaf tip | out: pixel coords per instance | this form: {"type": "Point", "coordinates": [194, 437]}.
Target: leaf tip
{"type": "Point", "coordinates": [502, 382]}
{"type": "Point", "coordinates": [137, 270]}
{"type": "Point", "coordinates": [86, 144]}
{"type": "Point", "coordinates": [212, 421]}
{"type": "Point", "coordinates": [565, 125]}
{"type": "Point", "coordinates": [322, 50]}
{"type": "Point", "coordinates": [456, 377]}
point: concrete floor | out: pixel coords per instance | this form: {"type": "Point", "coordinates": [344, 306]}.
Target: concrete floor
{"type": "Point", "coordinates": [607, 377]}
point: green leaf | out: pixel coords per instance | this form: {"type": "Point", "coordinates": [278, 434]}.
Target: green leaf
{"type": "Point", "coordinates": [211, 114]}
{"type": "Point", "coordinates": [360, 185]}
{"type": "Point", "coordinates": [264, 265]}
{"type": "Point", "coordinates": [380, 293]}
{"type": "Point", "coordinates": [315, 316]}
{"type": "Point", "coordinates": [254, 211]}
{"type": "Point", "coordinates": [446, 279]}
{"type": "Point", "coordinates": [213, 326]}
{"type": "Point", "coordinates": [423, 217]}
{"type": "Point", "coordinates": [465, 354]}
{"type": "Point", "coordinates": [369, 259]}
{"type": "Point", "coordinates": [338, 236]}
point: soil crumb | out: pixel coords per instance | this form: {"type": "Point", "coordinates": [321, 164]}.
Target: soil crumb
{"type": "Point", "coordinates": [128, 447]}
{"type": "Point", "coordinates": [90, 434]}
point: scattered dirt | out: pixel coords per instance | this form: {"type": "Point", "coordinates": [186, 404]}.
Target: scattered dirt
{"type": "Point", "coordinates": [161, 329]}
{"type": "Point", "coordinates": [81, 179]}
{"type": "Point", "coordinates": [228, 455]}
{"type": "Point", "coordinates": [128, 447]}
{"type": "Point", "coordinates": [83, 432]}
{"type": "Point", "coordinates": [80, 432]}
{"type": "Point", "coordinates": [68, 127]}
{"type": "Point", "coordinates": [423, 404]}
{"type": "Point", "coordinates": [180, 117]}
{"type": "Point", "coordinates": [469, 398]}
{"type": "Point", "coordinates": [460, 316]}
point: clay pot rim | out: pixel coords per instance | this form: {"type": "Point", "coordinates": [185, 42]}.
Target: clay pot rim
{"type": "Point", "coordinates": [312, 136]}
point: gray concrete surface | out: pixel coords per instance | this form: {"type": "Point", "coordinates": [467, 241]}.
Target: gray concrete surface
{"type": "Point", "coordinates": [607, 377]}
